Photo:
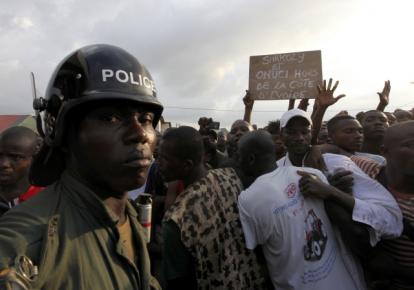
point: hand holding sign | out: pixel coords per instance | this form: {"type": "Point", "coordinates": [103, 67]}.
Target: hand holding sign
{"type": "Point", "coordinates": [325, 96]}
{"type": "Point", "coordinates": [248, 101]}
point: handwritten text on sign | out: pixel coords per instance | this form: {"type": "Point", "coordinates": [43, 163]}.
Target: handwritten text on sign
{"type": "Point", "coordinates": [285, 76]}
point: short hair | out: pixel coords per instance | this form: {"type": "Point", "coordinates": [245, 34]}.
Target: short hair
{"type": "Point", "coordinates": [20, 132]}
{"type": "Point", "coordinates": [273, 127]}
{"type": "Point", "coordinates": [188, 143]}
{"type": "Point", "coordinates": [333, 122]}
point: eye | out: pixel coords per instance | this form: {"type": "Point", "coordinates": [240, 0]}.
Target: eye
{"type": "Point", "coordinates": [17, 157]}
{"type": "Point", "coordinates": [146, 118]}
{"type": "Point", "coordinates": [111, 118]}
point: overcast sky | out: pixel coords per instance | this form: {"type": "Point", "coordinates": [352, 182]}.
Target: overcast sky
{"type": "Point", "coordinates": [198, 51]}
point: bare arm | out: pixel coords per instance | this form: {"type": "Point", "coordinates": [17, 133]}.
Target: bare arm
{"type": "Point", "coordinates": [291, 104]}
{"type": "Point", "coordinates": [303, 104]}
{"type": "Point", "coordinates": [324, 99]}
{"type": "Point", "coordinates": [248, 107]}
{"type": "Point", "coordinates": [384, 96]}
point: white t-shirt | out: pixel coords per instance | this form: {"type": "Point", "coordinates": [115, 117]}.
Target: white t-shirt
{"type": "Point", "coordinates": [374, 204]}
{"type": "Point", "coordinates": [299, 243]}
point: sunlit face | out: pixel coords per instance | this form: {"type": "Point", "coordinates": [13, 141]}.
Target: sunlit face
{"type": "Point", "coordinates": [297, 136]}
{"type": "Point", "coordinates": [374, 123]}
{"type": "Point", "coordinates": [348, 135]}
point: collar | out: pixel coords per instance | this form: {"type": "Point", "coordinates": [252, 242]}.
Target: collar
{"type": "Point", "coordinates": [84, 198]}
{"type": "Point", "coordinates": [287, 161]}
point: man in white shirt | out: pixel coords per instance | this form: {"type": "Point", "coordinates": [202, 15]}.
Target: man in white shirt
{"type": "Point", "coordinates": [300, 245]}
{"type": "Point", "coordinates": [372, 205]}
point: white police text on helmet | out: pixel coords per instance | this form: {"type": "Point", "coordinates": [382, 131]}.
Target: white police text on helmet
{"type": "Point", "coordinates": [128, 77]}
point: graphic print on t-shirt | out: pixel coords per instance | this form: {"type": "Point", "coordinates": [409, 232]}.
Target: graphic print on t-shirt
{"type": "Point", "coordinates": [315, 237]}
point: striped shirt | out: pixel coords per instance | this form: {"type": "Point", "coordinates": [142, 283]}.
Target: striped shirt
{"type": "Point", "coordinates": [370, 167]}
{"type": "Point", "coordinates": [402, 248]}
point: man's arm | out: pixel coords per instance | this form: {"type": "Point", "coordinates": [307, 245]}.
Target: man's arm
{"type": "Point", "coordinates": [384, 96]}
{"type": "Point", "coordinates": [311, 185]}
{"type": "Point", "coordinates": [178, 264]}
{"type": "Point", "coordinates": [374, 205]}
{"type": "Point", "coordinates": [339, 206]}
{"type": "Point", "coordinates": [303, 104]}
{"type": "Point", "coordinates": [324, 99]}
{"type": "Point", "coordinates": [248, 107]}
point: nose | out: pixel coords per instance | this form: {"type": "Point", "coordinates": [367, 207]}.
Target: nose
{"type": "Point", "coordinates": [135, 132]}
{"type": "Point", "coordinates": [299, 138]}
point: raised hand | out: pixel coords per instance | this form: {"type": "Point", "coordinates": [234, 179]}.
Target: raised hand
{"type": "Point", "coordinates": [248, 101]}
{"type": "Point", "coordinates": [384, 96]}
{"type": "Point", "coordinates": [325, 96]}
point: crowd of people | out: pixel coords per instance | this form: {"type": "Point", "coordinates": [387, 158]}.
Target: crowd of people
{"type": "Point", "coordinates": [302, 203]}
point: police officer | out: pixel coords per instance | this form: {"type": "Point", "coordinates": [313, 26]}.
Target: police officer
{"type": "Point", "coordinates": [81, 232]}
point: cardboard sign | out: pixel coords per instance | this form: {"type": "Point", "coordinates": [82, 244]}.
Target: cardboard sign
{"type": "Point", "coordinates": [285, 76]}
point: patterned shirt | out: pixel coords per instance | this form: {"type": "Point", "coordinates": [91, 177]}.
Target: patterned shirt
{"type": "Point", "coordinates": [208, 218]}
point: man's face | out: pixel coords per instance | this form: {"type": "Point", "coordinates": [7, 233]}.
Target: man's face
{"type": "Point", "coordinates": [279, 145]}
{"type": "Point", "coordinates": [297, 136]}
{"type": "Point", "coordinates": [113, 148]}
{"type": "Point", "coordinates": [15, 159]}
{"type": "Point", "coordinates": [170, 166]}
{"type": "Point", "coordinates": [400, 153]}
{"type": "Point", "coordinates": [374, 123]}
{"type": "Point", "coordinates": [238, 129]}
{"type": "Point", "coordinates": [348, 135]}
{"type": "Point", "coordinates": [323, 137]}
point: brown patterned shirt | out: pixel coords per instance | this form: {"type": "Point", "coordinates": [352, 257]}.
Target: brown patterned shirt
{"type": "Point", "coordinates": [207, 215]}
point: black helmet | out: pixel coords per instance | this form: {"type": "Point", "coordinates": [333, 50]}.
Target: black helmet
{"type": "Point", "coordinates": [92, 73]}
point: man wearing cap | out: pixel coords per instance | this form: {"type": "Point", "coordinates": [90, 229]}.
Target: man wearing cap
{"type": "Point", "coordinates": [81, 232]}
{"type": "Point", "coordinates": [368, 203]}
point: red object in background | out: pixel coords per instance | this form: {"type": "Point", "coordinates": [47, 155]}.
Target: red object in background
{"type": "Point", "coordinates": [32, 191]}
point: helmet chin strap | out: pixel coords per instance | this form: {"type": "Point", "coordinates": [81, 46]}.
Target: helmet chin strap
{"type": "Point", "coordinates": [39, 104]}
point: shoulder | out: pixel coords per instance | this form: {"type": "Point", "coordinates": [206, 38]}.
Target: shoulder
{"type": "Point", "coordinates": [329, 157]}
{"type": "Point", "coordinates": [281, 161]}
{"type": "Point", "coordinates": [22, 228]}
{"type": "Point", "coordinates": [264, 185]}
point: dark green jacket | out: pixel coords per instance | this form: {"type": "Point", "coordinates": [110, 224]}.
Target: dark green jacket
{"type": "Point", "coordinates": [72, 237]}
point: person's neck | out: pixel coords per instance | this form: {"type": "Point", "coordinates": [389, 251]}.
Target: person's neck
{"type": "Point", "coordinates": [372, 146]}
{"type": "Point", "coordinates": [117, 206]}
{"type": "Point", "coordinates": [196, 174]}
{"type": "Point", "coordinates": [399, 182]}
{"type": "Point", "coordinates": [10, 192]}
{"type": "Point", "coordinates": [297, 159]}
{"type": "Point", "coordinates": [115, 201]}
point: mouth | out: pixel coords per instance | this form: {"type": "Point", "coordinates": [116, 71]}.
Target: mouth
{"type": "Point", "coordinates": [379, 130]}
{"type": "Point", "coordinates": [138, 160]}
{"type": "Point", "coordinates": [5, 174]}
